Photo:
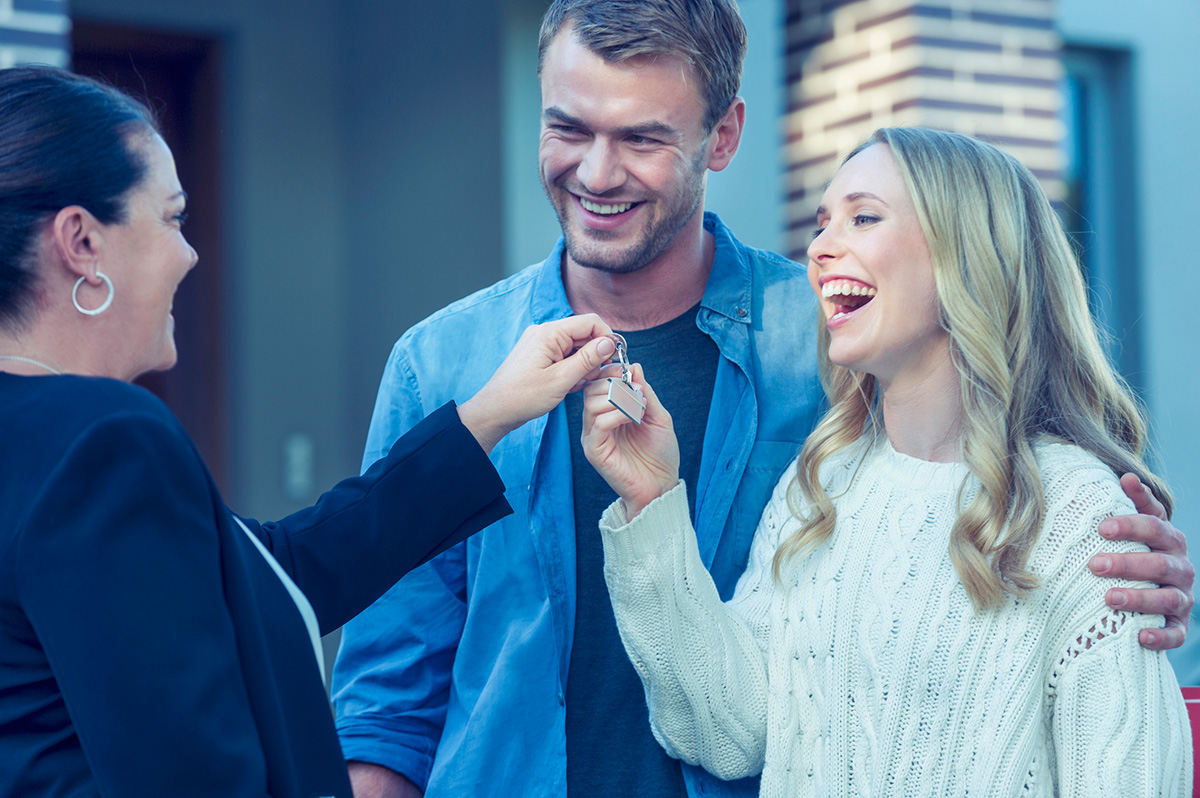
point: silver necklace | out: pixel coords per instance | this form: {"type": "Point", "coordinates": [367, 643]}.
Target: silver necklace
{"type": "Point", "coordinates": [31, 361]}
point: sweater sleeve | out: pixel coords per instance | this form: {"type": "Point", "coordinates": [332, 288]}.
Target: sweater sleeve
{"type": "Point", "coordinates": [1118, 722]}
{"type": "Point", "coordinates": [702, 662]}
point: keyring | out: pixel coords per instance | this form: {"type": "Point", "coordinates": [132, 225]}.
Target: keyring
{"type": "Point", "coordinates": [621, 393]}
{"type": "Point", "coordinates": [622, 348]}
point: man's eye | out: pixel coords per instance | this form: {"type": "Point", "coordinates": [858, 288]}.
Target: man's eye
{"type": "Point", "coordinates": [180, 218]}
{"type": "Point", "coordinates": [642, 140]}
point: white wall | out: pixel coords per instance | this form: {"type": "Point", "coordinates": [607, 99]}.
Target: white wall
{"type": "Point", "coordinates": [1162, 36]}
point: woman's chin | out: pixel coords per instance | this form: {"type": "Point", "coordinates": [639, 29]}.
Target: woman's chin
{"type": "Point", "coordinates": [165, 362]}
{"type": "Point", "coordinates": [170, 352]}
{"type": "Point", "coordinates": [857, 364]}
{"type": "Point", "coordinates": [841, 356]}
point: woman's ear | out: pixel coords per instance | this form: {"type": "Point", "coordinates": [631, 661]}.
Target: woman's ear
{"type": "Point", "coordinates": [77, 238]}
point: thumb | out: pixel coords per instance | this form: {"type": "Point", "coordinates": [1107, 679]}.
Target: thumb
{"type": "Point", "coordinates": [590, 357]}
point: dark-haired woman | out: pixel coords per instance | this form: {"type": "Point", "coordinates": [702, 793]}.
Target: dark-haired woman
{"type": "Point", "coordinates": [151, 642]}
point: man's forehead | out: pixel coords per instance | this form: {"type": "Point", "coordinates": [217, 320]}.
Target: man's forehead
{"type": "Point", "coordinates": [567, 43]}
{"type": "Point", "coordinates": [573, 71]}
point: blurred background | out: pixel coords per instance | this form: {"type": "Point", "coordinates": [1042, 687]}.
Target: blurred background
{"type": "Point", "coordinates": [354, 165]}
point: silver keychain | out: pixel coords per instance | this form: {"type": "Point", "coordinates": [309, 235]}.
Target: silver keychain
{"type": "Point", "coordinates": [621, 393]}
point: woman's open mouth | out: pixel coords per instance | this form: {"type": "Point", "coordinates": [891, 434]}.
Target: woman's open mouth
{"type": "Point", "coordinates": [846, 296]}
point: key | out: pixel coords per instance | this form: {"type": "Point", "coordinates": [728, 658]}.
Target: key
{"type": "Point", "coordinates": [621, 393]}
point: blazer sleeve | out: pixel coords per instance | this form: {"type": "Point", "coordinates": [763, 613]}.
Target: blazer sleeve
{"type": "Point", "coordinates": [119, 574]}
{"type": "Point", "coordinates": [435, 488]}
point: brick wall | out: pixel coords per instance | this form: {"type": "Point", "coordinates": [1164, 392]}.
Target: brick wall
{"type": "Point", "coordinates": [34, 32]}
{"type": "Point", "coordinates": [988, 68]}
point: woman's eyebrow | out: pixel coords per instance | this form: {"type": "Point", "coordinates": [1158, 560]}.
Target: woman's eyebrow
{"type": "Point", "coordinates": [854, 196]}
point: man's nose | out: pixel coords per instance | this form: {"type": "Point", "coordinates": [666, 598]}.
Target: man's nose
{"type": "Point", "coordinates": [601, 170]}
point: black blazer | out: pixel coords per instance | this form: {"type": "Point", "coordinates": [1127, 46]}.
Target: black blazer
{"type": "Point", "coordinates": [146, 646]}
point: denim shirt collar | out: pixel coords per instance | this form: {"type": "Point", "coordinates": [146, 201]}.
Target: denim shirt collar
{"type": "Point", "coordinates": [729, 284]}
{"type": "Point", "coordinates": [727, 293]}
{"type": "Point", "coordinates": [548, 300]}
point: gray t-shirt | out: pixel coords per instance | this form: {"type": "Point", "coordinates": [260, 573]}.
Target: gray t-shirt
{"type": "Point", "coordinates": [610, 748]}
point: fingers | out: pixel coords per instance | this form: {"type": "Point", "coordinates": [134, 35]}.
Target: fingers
{"type": "Point", "coordinates": [559, 338]}
{"type": "Point", "coordinates": [606, 420]}
{"type": "Point", "coordinates": [596, 406]}
{"type": "Point", "coordinates": [598, 374]}
{"type": "Point", "coordinates": [1170, 636]}
{"type": "Point", "coordinates": [566, 336]}
{"type": "Point", "coordinates": [578, 347]}
{"type": "Point", "coordinates": [1162, 569]}
{"type": "Point", "coordinates": [1173, 600]}
{"type": "Point", "coordinates": [1169, 601]}
{"type": "Point", "coordinates": [599, 385]}
{"type": "Point", "coordinates": [1143, 500]}
{"type": "Point", "coordinates": [1156, 533]}
{"type": "Point", "coordinates": [584, 327]}
{"type": "Point", "coordinates": [578, 368]}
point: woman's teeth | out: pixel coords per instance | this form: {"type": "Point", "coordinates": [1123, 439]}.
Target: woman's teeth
{"type": "Point", "coordinates": [846, 296]}
{"type": "Point", "coordinates": [846, 288]}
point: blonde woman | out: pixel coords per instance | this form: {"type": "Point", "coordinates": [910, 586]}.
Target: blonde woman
{"type": "Point", "coordinates": [917, 617]}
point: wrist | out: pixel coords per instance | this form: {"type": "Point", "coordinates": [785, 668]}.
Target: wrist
{"type": "Point", "coordinates": [631, 508]}
{"type": "Point", "coordinates": [634, 504]}
{"type": "Point", "coordinates": [481, 424]}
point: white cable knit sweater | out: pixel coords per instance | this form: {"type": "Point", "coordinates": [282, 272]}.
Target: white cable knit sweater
{"type": "Point", "coordinates": [871, 675]}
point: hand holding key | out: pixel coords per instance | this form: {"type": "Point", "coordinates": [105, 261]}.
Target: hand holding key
{"type": "Point", "coordinates": [549, 361]}
{"type": "Point", "coordinates": [640, 461]}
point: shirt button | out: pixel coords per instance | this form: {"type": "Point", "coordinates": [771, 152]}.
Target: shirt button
{"type": "Point", "coordinates": [741, 313]}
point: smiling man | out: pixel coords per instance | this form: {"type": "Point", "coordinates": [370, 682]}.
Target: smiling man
{"type": "Point", "coordinates": [497, 670]}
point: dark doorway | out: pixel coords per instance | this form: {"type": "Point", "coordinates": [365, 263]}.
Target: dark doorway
{"type": "Point", "coordinates": [178, 76]}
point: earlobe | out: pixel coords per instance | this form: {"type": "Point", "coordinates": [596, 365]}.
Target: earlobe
{"type": "Point", "coordinates": [727, 135]}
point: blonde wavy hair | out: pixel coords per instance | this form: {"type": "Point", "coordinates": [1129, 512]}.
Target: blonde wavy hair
{"type": "Point", "coordinates": [1028, 354]}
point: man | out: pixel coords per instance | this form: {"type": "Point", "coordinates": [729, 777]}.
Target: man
{"type": "Point", "coordinates": [497, 669]}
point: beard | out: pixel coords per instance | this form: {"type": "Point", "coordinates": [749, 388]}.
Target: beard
{"type": "Point", "coordinates": [598, 249]}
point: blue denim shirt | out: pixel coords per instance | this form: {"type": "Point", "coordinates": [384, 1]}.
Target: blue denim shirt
{"type": "Point", "coordinates": [456, 678]}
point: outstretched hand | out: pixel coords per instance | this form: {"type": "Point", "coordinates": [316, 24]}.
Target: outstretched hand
{"type": "Point", "coordinates": [639, 461]}
{"type": "Point", "coordinates": [549, 361]}
{"type": "Point", "coordinates": [1165, 564]}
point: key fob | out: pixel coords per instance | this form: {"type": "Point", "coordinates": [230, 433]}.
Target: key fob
{"type": "Point", "coordinates": [629, 401]}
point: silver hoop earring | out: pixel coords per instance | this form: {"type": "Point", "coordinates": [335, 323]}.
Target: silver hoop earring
{"type": "Point", "coordinates": [108, 300]}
